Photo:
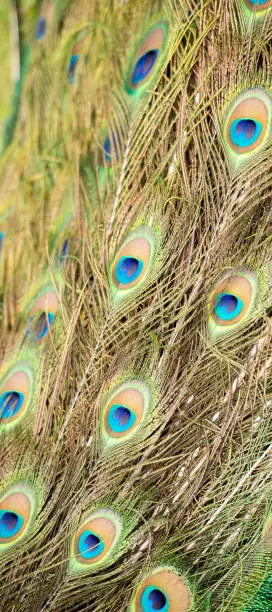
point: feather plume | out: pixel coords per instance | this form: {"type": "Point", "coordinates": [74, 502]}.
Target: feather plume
{"type": "Point", "coordinates": [136, 292]}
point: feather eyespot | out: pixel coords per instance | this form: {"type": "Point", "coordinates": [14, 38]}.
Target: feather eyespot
{"type": "Point", "coordinates": [90, 545]}
{"type": "Point", "coordinates": [129, 268]}
{"type": "Point", "coordinates": [75, 56]}
{"type": "Point", "coordinates": [257, 5]}
{"type": "Point", "coordinates": [110, 149]}
{"type": "Point", "coordinates": [44, 20]}
{"type": "Point", "coordinates": [72, 67]}
{"type": "Point", "coordinates": [146, 59]}
{"type": "Point", "coordinates": [10, 524]}
{"type": "Point", "coordinates": [38, 325]}
{"type": "Point", "coordinates": [232, 302]}
{"type": "Point", "coordinates": [10, 404]}
{"type": "Point", "coordinates": [96, 540]}
{"type": "Point", "coordinates": [125, 411]}
{"type": "Point", "coordinates": [133, 262]}
{"type": "Point", "coordinates": [143, 66]}
{"type": "Point", "coordinates": [120, 419]}
{"type": "Point", "coordinates": [64, 250]}
{"type": "Point", "coordinates": [162, 590]}
{"type": "Point", "coordinates": [154, 599]}
{"type": "Point", "coordinates": [16, 511]}
{"type": "Point", "coordinates": [41, 316]}
{"type": "Point", "coordinates": [41, 28]}
{"type": "Point", "coordinates": [248, 124]}
{"type": "Point", "coordinates": [16, 393]}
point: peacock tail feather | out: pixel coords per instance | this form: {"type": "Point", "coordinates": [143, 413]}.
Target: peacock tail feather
{"type": "Point", "coordinates": [135, 304]}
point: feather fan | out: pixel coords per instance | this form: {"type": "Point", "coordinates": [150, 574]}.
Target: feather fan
{"type": "Point", "coordinates": [136, 295]}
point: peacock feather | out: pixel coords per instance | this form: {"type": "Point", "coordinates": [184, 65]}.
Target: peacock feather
{"type": "Point", "coordinates": [19, 381]}
{"type": "Point", "coordinates": [135, 304]}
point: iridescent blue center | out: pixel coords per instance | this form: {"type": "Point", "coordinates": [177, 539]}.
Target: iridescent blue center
{"type": "Point", "coordinates": [144, 66]}
{"type": "Point", "coordinates": [64, 250]}
{"type": "Point", "coordinates": [10, 523]}
{"type": "Point", "coordinates": [41, 28]}
{"type": "Point", "coordinates": [258, 2]}
{"type": "Point", "coordinates": [228, 306]}
{"type": "Point", "coordinates": [245, 132]}
{"type": "Point", "coordinates": [107, 148]}
{"type": "Point", "coordinates": [1, 241]}
{"type": "Point", "coordinates": [154, 599]}
{"type": "Point", "coordinates": [120, 418]}
{"type": "Point", "coordinates": [128, 269]}
{"type": "Point", "coordinates": [72, 68]}
{"type": "Point", "coordinates": [39, 326]}
{"type": "Point", "coordinates": [10, 404]}
{"type": "Point", "coordinates": [90, 545]}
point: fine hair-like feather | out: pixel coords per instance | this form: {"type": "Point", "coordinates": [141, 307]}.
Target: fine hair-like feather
{"type": "Point", "coordinates": [135, 273]}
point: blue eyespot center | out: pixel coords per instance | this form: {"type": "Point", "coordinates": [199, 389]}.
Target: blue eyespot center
{"type": "Point", "coordinates": [10, 523]}
{"type": "Point", "coordinates": [1, 241]}
{"type": "Point", "coordinates": [10, 404]}
{"type": "Point", "coordinates": [143, 66]}
{"type": "Point", "coordinates": [154, 599]}
{"type": "Point", "coordinates": [258, 2]}
{"type": "Point", "coordinates": [107, 148]}
{"type": "Point", "coordinates": [90, 545]}
{"type": "Point", "coordinates": [41, 28]}
{"type": "Point", "coordinates": [39, 326]}
{"type": "Point", "coordinates": [245, 132]}
{"type": "Point", "coordinates": [72, 68]}
{"type": "Point", "coordinates": [64, 250]}
{"type": "Point", "coordinates": [128, 269]}
{"type": "Point", "coordinates": [228, 306]}
{"type": "Point", "coordinates": [120, 418]}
